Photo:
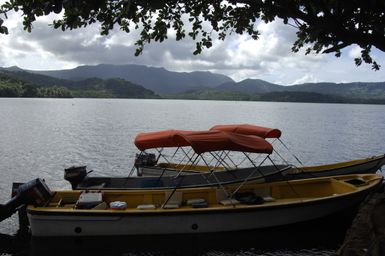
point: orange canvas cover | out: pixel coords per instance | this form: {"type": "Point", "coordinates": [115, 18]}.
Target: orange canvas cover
{"type": "Point", "coordinates": [160, 139]}
{"type": "Point", "coordinates": [217, 140]}
{"type": "Point", "coordinates": [249, 129]}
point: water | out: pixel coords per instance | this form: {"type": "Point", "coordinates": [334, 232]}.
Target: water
{"type": "Point", "coordinates": [41, 137]}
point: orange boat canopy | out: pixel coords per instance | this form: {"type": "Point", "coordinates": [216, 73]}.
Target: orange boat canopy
{"type": "Point", "coordinates": [161, 139]}
{"type": "Point", "coordinates": [249, 129]}
{"type": "Point", "coordinates": [203, 141]}
{"type": "Point", "coordinates": [209, 141]}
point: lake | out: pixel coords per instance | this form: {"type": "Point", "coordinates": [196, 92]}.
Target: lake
{"type": "Point", "coordinates": [41, 137]}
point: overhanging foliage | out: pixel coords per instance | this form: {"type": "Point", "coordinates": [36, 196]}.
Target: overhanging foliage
{"type": "Point", "coordinates": [324, 26]}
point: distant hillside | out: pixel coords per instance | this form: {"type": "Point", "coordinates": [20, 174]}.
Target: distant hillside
{"type": "Point", "coordinates": [12, 84]}
{"type": "Point", "coordinates": [250, 86]}
{"type": "Point", "coordinates": [348, 90]}
{"type": "Point", "coordinates": [158, 80]}
{"type": "Point", "coordinates": [302, 97]}
{"type": "Point", "coordinates": [351, 90]}
{"type": "Point", "coordinates": [213, 94]}
{"type": "Point", "coordinates": [110, 88]}
{"type": "Point", "coordinates": [287, 96]}
{"type": "Point", "coordinates": [194, 85]}
{"type": "Point", "coordinates": [37, 79]}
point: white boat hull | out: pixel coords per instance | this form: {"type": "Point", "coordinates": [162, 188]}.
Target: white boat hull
{"type": "Point", "coordinates": [234, 218]}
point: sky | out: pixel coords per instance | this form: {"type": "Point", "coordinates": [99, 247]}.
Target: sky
{"type": "Point", "coordinates": [269, 58]}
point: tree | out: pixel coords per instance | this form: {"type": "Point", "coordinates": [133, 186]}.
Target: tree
{"type": "Point", "coordinates": [324, 26]}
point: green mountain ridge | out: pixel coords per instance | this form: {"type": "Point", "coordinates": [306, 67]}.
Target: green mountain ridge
{"type": "Point", "coordinates": [155, 79]}
{"type": "Point", "coordinates": [38, 85]}
{"type": "Point", "coordinates": [374, 90]}
{"type": "Point", "coordinates": [25, 84]}
{"type": "Point", "coordinates": [11, 86]}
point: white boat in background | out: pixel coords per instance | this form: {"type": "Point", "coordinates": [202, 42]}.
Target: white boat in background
{"type": "Point", "coordinates": [198, 210]}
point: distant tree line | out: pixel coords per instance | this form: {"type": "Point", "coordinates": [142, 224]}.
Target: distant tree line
{"type": "Point", "coordinates": [30, 91]}
{"type": "Point", "coordinates": [11, 87]}
{"type": "Point", "coordinates": [23, 84]}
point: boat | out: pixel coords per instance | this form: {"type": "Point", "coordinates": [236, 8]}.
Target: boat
{"type": "Point", "coordinates": [216, 143]}
{"type": "Point", "coordinates": [364, 165]}
{"type": "Point", "coordinates": [205, 145]}
{"type": "Point", "coordinates": [197, 210]}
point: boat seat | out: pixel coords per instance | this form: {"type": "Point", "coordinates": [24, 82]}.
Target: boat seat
{"type": "Point", "coordinates": [197, 203]}
{"type": "Point", "coordinates": [175, 200]}
{"type": "Point", "coordinates": [223, 199]}
{"type": "Point", "coordinates": [230, 201]}
{"type": "Point", "coordinates": [146, 207]}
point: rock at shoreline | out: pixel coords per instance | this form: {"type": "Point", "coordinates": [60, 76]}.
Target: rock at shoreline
{"type": "Point", "coordinates": [366, 236]}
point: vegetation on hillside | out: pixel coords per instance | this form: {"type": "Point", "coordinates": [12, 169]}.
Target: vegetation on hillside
{"type": "Point", "coordinates": [13, 87]}
{"type": "Point", "coordinates": [23, 84]}
{"type": "Point", "coordinates": [212, 94]}
{"type": "Point", "coordinates": [287, 96]}
{"type": "Point", "coordinates": [110, 88]}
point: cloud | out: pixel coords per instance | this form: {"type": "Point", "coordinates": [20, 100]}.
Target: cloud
{"type": "Point", "coordinates": [269, 58]}
{"type": "Point", "coordinates": [307, 78]}
{"type": "Point", "coordinates": [354, 52]}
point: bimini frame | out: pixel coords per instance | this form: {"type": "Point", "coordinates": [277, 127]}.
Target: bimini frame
{"type": "Point", "coordinates": [215, 143]}
{"type": "Point", "coordinates": [264, 132]}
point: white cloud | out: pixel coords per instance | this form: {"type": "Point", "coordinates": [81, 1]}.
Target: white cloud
{"type": "Point", "coordinates": [307, 78]}
{"type": "Point", "coordinates": [354, 52]}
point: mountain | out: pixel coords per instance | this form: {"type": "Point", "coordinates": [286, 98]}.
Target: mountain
{"type": "Point", "coordinates": [37, 79]}
{"type": "Point", "coordinates": [250, 86]}
{"type": "Point", "coordinates": [350, 90]}
{"type": "Point", "coordinates": [19, 83]}
{"type": "Point", "coordinates": [158, 80]}
{"type": "Point", "coordinates": [201, 85]}
{"type": "Point", "coordinates": [14, 86]}
{"type": "Point", "coordinates": [110, 88]}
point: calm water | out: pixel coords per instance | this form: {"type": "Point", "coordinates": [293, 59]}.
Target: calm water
{"type": "Point", "coordinates": [41, 137]}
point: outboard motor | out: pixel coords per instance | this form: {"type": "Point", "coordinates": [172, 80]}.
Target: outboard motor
{"type": "Point", "coordinates": [75, 175]}
{"type": "Point", "coordinates": [34, 192]}
{"type": "Point", "coordinates": [145, 159]}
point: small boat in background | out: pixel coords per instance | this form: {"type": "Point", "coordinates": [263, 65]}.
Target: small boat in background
{"type": "Point", "coordinates": [207, 160]}
{"type": "Point", "coordinates": [364, 165]}
{"type": "Point", "coordinates": [197, 210]}
{"type": "Point", "coordinates": [207, 146]}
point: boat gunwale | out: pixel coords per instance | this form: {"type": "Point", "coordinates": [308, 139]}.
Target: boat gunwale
{"type": "Point", "coordinates": [368, 188]}
{"type": "Point", "coordinates": [312, 169]}
{"type": "Point", "coordinates": [364, 161]}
